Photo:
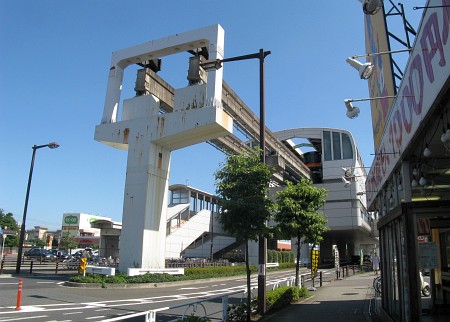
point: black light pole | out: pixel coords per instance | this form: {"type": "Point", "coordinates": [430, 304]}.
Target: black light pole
{"type": "Point", "coordinates": [262, 244]}
{"type": "Point", "coordinates": [52, 145]}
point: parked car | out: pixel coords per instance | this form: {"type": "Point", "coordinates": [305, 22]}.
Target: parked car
{"type": "Point", "coordinates": [40, 254]}
{"type": "Point", "coordinates": [60, 254]}
{"type": "Point", "coordinates": [355, 260]}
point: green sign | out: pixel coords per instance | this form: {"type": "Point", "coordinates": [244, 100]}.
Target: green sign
{"type": "Point", "coordinates": [71, 220]}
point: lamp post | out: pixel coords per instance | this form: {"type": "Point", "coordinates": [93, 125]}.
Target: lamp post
{"type": "Point", "coordinates": [52, 145]}
{"type": "Point", "coordinates": [262, 244]}
{"type": "Point", "coordinates": [353, 111]}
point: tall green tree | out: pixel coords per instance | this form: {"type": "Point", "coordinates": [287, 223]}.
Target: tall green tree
{"type": "Point", "coordinates": [7, 220]}
{"type": "Point", "coordinates": [297, 215]}
{"type": "Point", "coordinates": [68, 242]}
{"type": "Point", "coordinates": [242, 183]}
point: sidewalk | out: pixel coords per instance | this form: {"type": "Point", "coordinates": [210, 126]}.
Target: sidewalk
{"type": "Point", "coordinates": [350, 299]}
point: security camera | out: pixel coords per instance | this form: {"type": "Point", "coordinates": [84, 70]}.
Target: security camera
{"type": "Point", "coordinates": [371, 7]}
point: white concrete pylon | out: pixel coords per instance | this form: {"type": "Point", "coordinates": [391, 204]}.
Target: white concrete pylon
{"type": "Point", "coordinates": [150, 137]}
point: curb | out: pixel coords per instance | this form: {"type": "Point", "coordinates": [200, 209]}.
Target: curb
{"type": "Point", "coordinates": [146, 285]}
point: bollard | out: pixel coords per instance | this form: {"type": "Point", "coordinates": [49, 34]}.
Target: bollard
{"type": "Point", "coordinates": [19, 295]}
{"type": "Point", "coordinates": [31, 267]}
{"type": "Point", "coordinates": [3, 263]}
{"type": "Point", "coordinates": [56, 269]}
{"type": "Point", "coordinates": [320, 279]}
{"type": "Point", "coordinates": [346, 270]}
{"type": "Point", "coordinates": [225, 308]}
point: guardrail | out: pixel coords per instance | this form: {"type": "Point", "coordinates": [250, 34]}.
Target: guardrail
{"type": "Point", "coordinates": [31, 266]}
{"type": "Point", "coordinates": [150, 316]}
{"type": "Point", "coordinates": [193, 307]}
{"type": "Point", "coordinates": [8, 265]}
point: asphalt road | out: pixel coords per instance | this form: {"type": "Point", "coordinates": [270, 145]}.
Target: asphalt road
{"type": "Point", "coordinates": [47, 299]}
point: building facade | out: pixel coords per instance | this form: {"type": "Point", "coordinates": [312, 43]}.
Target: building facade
{"type": "Point", "coordinates": [336, 165]}
{"type": "Point", "coordinates": [409, 181]}
{"type": "Point", "coordinates": [79, 225]}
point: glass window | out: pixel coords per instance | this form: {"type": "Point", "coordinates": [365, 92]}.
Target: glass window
{"type": "Point", "coordinates": [327, 146]}
{"type": "Point", "coordinates": [179, 196]}
{"type": "Point", "coordinates": [184, 198]}
{"type": "Point", "coordinates": [336, 146]}
{"type": "Point", "coordinates": [347, 151]}
{"type": "Point", "coordinates": [192, 204]}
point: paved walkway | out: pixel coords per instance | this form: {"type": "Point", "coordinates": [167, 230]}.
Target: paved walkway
{"type": "Point", "coordinates": [347, 300]}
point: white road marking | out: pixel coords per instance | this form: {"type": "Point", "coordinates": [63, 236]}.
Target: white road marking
{"type": "Point", "coordinates": [96, 317]}
{"type": "Point", "coordinates": [24, 318]}
{"type": "Point", "coordinates": [75, 307]}
{"type": "Point", "coordinates": [72, 313]}
{"type": "Point", "coordinates": [30, 308]}
{"type": "Point", "coordinates": [193, 288]}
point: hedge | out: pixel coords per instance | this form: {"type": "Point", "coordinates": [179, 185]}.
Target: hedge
{"type": "Point", "coordinates": [275, 256]}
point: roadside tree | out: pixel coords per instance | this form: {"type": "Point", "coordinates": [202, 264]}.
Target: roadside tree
{"type": "Point", "coordinates": [7, 220]}
{"type": "Point", "coordinates": [297, 215]}
{"type": "Point", "coordinates": [242, 183]}
{"type": "Point", "coordinates": [68, 242]}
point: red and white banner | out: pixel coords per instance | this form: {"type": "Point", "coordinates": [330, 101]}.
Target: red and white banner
{"type": "Point", "coordinates": [427, 71]}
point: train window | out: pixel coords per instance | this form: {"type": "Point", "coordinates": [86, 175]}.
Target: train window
{"type": "Point", "coordinates": [327, 146]}
{"type": "Point", "coordinates": [347, 151]}
{"type": "Point", "coordinates": [336, 146]}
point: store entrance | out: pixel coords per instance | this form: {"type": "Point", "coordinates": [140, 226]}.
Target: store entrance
{"type": "Point", "coordinates": [433, 247]}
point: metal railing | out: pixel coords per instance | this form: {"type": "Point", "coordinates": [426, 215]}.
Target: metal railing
{"type": "Point", "coordinates": [201, 309]}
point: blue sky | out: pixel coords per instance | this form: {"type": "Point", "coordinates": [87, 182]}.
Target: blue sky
{"type": "Point", "coordinates": [54, 62]}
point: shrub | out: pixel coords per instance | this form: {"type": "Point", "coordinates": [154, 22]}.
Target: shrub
{"type": "Point", "coordinates": [89, 278]}
{"type": "Point", "coordinates": [153, 278]}
{"type": "Point", "coordinates": [192, 318]}
{"type": "Point", "coordinates": [238, 313]}
{"type": "Point", "coordinates": [210, 272]}
{"type": "Point", "coordinates": [303, 292]}
{"type": "Point", "coordinates": [281, 297]}
{"type": "Point", "coordinates": [118, 279]}
{"type": "Point", "coordinates": [287, 265]}
{"type": "Point", "coordinates": [190, 274]}
{"type": "Point", "coordinates": [274, 256]}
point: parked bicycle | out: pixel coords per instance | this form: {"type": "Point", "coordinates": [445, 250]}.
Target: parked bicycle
{"type": "Point", "coordinates": [377, 284]}
{"type": "Point", "coordinates": [72, 263]}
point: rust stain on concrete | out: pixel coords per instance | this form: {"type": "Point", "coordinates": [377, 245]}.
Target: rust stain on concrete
{"type": "Point", "coordinates": [126, 133]}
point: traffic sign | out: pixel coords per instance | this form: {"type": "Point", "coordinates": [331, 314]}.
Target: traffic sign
{"type": "Point", "coordinates": [9, 232]}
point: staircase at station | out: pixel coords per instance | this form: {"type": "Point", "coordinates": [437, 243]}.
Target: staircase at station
{"type": "Point", "coordinates": [188, 234]}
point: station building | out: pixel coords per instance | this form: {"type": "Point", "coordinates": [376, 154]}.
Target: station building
{"type": "Point", "coordinates": [193, 229]}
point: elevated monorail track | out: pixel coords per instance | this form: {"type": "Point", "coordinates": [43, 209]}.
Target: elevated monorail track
{"type": "Point", "coordinates": [287, 163]}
